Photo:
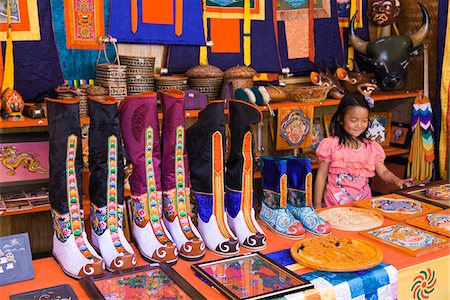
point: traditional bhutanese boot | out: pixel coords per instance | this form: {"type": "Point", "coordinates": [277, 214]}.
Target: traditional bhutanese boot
{"type": "Point", "coordinates": [300, 196]}
{"type": "Point", "coordinates": [140, 132]}
{"type": "Point", "coordinates": [274, 212]}
{"type": "Point", "coordinates": [71, 247]}
{"type": "Point", "coordinates": [175, 176]}
{"type": "Point", "coordinates": [106, 185]}
{"type": "Point", "coordinates": [205, 142]}
{"type": "Point", "coordinates": [239, 177]}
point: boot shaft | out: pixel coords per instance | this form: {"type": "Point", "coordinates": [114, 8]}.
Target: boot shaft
{"type": "Point", "coordinates": [105, 153]}
{"type": "Point", "coordinates": [65, 154]}
{"type": "Point", "coordinates": [299, 181]}
{"type": "Point", "coordinates": [140, 130]}
{"type": "Point", "coordinates": [274, 181]}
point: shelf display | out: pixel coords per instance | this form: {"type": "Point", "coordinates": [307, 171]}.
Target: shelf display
{"type": "Point", "coordinates": [420, 193]}
{"type": "Point", "coordinates": [152, 282]}
{"type": "Point", "coordinates": [410, 240]}
{"type": "Point", "coordinates": [251, 276]}
{"type": "Point", "coordinates": [397, 207]}
{"type": "Point", "coordinates": [437, 222]}
{"type": "Point", "coordinates": [63, 291]}
{"type": "Point", "coordinates": [336, 254]}
{"type": "Point", "coordinates": [352, 218]}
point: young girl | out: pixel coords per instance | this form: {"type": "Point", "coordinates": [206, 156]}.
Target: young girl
{"type": "Point", "coordinates": [347, 158]}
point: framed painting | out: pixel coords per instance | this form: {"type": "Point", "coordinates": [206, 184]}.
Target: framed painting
{"type": "Point", "coordinates": [429, 193]}
{"type": "Point", "coordinates": [380, 128]}
{"type": "Point", "coordinates": [24, 160]}
{"type": "Point", "coordinates": [410, 240]}
{"type": "Point", "coordinates": [294, 127]}
{"type": "Point", "coordinates": [396, 207]}
{"type": "Point", "coordinates": [24, 20]}
{"type": "Point", "coordinates": [157, 281]}
{"type": "Point", "coordinates": [438, 222]}
{"type": "Point", "coordinates": [250, 276]}
{"type": "Point", "coordinates": [15, 259]}
{"type": "Point", "coordinates": [63, 291]}
{"type": "Point", "coordinates": [400, 135]}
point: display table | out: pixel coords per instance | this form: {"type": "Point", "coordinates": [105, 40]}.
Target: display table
{"type": "Point", "coordinates": [411, 271]}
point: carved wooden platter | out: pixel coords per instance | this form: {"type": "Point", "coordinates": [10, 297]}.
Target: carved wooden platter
{"type": "Point", "coordinates": [410, 240]}
{"type": "Point", "coordinates": [352, 218]}
{"type": "Point", "coordinates": [397, 207]}
{"type": "Point", "coordinates": [336, 254]}
{"type": "Point", "coordinates": [438, 222]}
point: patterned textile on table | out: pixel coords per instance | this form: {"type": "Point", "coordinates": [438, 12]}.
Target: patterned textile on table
{"type": "Point", "coordinates": [157, 22]}
{"type": "Point", "coordinates": [380, 282]}
{"type": "Point", "coordinates": [77, 46]}
{"type": "Point", "coordinates": [36, 63]}
{"type": "Point", "coordinates": [225, 27]}
{"type": "Point", "coordinates": [442, 104]}
{"type": "Point", "coordinates": [327, 44]}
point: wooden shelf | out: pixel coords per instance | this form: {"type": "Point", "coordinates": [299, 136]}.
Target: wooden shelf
{"type": "Point", "coordinates": [378, 96]}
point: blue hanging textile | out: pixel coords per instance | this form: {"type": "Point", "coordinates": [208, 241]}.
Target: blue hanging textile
{"type": "Point", "coordinates": [264, 51]}
{"type": "Point", "coordinates": [188, 32]}
{"type": "Point", "coordinates": [76, 63]}
{"type": "Point", "coordinates": [327, 44]}
{"type": "Point", "coordinates": [36, 65]}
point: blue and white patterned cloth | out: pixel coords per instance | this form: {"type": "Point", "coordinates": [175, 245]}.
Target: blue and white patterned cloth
{"type": "Point", "coordinates": [379, 282]}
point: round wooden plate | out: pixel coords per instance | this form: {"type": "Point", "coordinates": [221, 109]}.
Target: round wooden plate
{"type": "Point", "coordinates": [336, 254]}
{"type": "Point", "coordinates": [439, 192]}
{"type": "Point", "coordinates": [352, 218]}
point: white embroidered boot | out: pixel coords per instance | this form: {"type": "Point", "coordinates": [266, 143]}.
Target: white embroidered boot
{"type": "Point", "coordinates": [140, 130]}
{"type": "Point", "coordinates": [71, 247]}
{"type": "Point", "coordinates": [106, 185]}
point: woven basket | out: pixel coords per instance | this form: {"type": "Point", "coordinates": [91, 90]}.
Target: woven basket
{"type": "Point", "coordinates": [240, 77]}
{"type": "Point", "coordinates": [207, 79]}
{"type": "Point", "coordinates": [308, 94]}
{"type": "Point", "coordinates": [276, 93]}
{"type": "Point", "coordinates": [164, 83]}
{"type": "Point", "coordinates": [138, 61]}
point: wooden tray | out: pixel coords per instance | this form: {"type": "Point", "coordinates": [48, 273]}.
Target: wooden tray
{"type": "Point", "coordinates": [438, 222]}
{"type": "Point", "coordinates": [336, 254]}
{"type": "Point", "coordinates": [419, 193]}
{"type": "Point", "coordinates": [410, 240]}
{"type": "Point", "coordinates": [352, 218]}
{"type": "Point", "coordinates": [397, 207]}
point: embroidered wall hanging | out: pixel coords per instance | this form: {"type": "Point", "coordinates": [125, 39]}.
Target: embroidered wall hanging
{"type": "Point", "coordinates": [157, 22]}
{"type": "Point", "coordinates": [84, 23]}
{"type": "Point", "coordinates": [294, 127]}
{"type": "Point", "coordinates": [24, 19]}
{"type": "Point", "coordinates": [237, 40]}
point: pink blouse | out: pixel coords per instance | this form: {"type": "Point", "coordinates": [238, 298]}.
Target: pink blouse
{"type": "Point", "coordinates": [349, 169]}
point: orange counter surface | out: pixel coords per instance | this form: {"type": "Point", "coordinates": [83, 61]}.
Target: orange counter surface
{"type": "Point", "coordinates": [48, 273]}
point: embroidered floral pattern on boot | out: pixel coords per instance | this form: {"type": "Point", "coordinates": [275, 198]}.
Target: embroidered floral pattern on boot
{"type": "Point", "coordinates": [311, 221]}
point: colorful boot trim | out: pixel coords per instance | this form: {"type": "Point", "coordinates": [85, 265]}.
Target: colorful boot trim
{"type": "Point", "coordinates": [312, 222]}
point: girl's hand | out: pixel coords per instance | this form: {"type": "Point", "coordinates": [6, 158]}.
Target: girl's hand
{"type": "Point", "coordinates": [405, 182]}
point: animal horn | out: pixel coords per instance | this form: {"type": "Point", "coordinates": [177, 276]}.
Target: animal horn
{"type": "Point", "coordinates": [418, 37]}
{"type": "Point", "coordinates": [359, 44]}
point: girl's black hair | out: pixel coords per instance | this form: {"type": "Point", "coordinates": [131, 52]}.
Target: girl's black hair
{"type": "Point", "coordinates": [337, 128]}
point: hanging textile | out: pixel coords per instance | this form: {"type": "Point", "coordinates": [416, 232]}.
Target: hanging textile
{"type": "Point", "coordinates": [225, 28]}
{"type": "Point", "coordinates": [25, 20]}
{"type": "Point", "coordinates": [36, 65]}
{"type": "Point", "coordinates": [327, 43]}
{"type": "Point", "coordinates": [8, 77]}
{"type": "Point", "coordinates": [442, 103]}
{"type": "Point", "coordinates": [157, 22]}
{"type": "Point", "coordinates": [84, 23]}
{"type": "Point", "coordinates": [421, 155]}
{"type": "Point", "coordinates": [78, 52]}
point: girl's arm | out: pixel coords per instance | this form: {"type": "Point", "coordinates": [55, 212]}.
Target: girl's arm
{"type": "Point", "coordinates": [389, 177]}
{"type": "Point", "coordinates": [319, 183]}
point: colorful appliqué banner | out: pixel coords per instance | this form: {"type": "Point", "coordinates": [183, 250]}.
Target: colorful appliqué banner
{"type": "Point", "coordinates": [84, 23]}
{"type": "Point", "coordinates": [294, 127]}
{"type": "Point", "coordinates": [24, 19]}
{"type": "Point", "coordinates": [227, 28]}
{"type": "Point", "coordinates": [76, 40]}
{"type": "Point", "coordinates": [36, 66]}
{"type": "Point", "coordinates": [157, 21]}
{"type": "Point", "coordinates": [327, 41]}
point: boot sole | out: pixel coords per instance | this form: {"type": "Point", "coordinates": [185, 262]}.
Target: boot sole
{"type": "Point", "coordinates": [191, 258]}
{"type": "Point", "coordinates": [64, 270]}
{"type": "Point", "coordinates": [149, 260]}
{"type": "Point", "coordinates": [280, 233]}
{"type": "Point", "coordinates": [254, 248]}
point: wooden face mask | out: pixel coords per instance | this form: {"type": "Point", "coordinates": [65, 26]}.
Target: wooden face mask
{"type": "Point", "coordinates": [384, 12]}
